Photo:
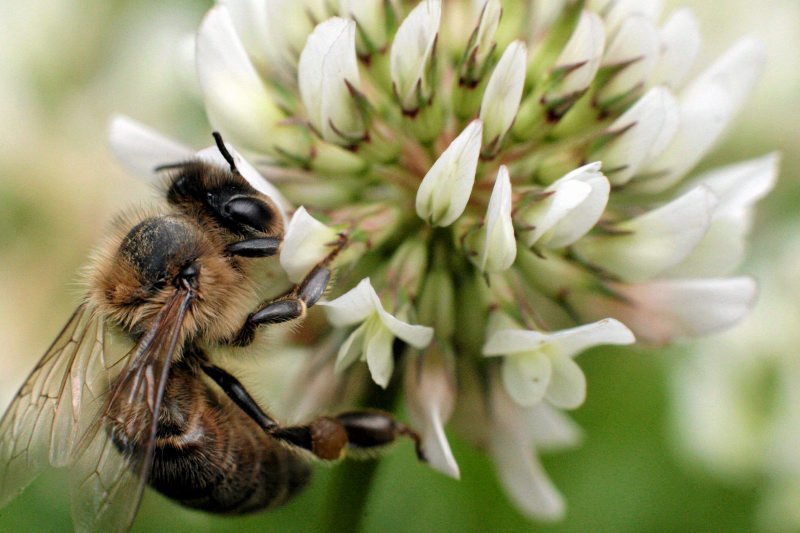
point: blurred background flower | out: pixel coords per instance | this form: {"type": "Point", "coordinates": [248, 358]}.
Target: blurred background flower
{"type": "Point", "coordinates": [59, 98]}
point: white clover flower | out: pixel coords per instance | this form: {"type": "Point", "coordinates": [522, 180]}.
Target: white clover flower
{"type": "Point", "coordinates": [495, 245]}
{"type": "Point", "coordinates": [326, 73]}
{"type": "Point", "coordinates": [462, 154]}
{"type": "Point", "coordinates": [539, 366]}
{"type": "Point", "coordinates": [372, 339]}
{"type": "Point", "coordinates": [446, 188]}
{"type": "Point", "coordinates": [566, 210]}
{"type": "Point", "coordinates": [307, 241]}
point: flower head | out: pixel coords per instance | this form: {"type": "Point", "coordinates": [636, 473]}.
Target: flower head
{"type": "Point", "coordinates": [538, 174]}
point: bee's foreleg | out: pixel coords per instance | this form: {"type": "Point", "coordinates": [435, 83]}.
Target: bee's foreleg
{"type": "Point", "coordinates": [289, 307]}
{"type": "Point", "coordinates": [328, 437]}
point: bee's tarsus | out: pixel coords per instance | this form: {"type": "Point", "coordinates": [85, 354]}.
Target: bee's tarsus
{"type": "Point", "coordinates": [313, 286]}
{"type": "Point", "coordinates": [278, 312]}
{"type": "Point", "coordinates": [260, 247]}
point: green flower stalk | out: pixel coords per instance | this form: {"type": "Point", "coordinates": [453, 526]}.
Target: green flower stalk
{"type": "Point", "coordinates": [511, 179]}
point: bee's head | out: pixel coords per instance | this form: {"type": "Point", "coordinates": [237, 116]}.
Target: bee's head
{"type": "Point", "coordinates": [223, 198]}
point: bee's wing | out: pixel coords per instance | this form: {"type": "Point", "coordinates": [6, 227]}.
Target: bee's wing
{"type": "Point", "coordinates": [114, 458]}
{"type": "Point", "coordinates": [60, 397]}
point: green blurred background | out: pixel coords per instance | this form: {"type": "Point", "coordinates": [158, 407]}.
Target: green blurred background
{"type": "Point", "coordinates": [67, 65]}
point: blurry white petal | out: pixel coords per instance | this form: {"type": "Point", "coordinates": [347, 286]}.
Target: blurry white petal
{"type": "Point", "coordinates": [617, 12]}
{"type": "Point", "coordinates": [236, 99]}
{"type": "Point", "coordinates": [550, 429]}
{"type": "Point", "coordinates": [499, 247]}
{"type": "Point", "coordinates": [526, 377]}
{"type": "Point", "coordinates": [738, 187]}
{"type": "Point", "coordinates": [250, 20]}
{"type": "Point", "coordinates": [656, 241]}
{"type": "Point", "coordinates": [430, 398]}
{"type": "Point", "coordinates": [647, 128]}
{"type": "Point", "coordinates": [351, 349]}
{"type": "Point", "coordinates": [708, 105]}
{"type": "Point", "coordinates": [370, 15]}
{"type": "Point", "coordinates": [582, 54]}
{"type": "Point", "coordinates": [446, 188]}
{"type": "Point", "coordinates": [352, 307]}
{"type": "Point", "coordinates": [327, 62]}
{"type": "Point", "coordinates": [503, 93]}
{"type": "Point", "coordinates": [307, 242]}
{"type": "Point", "coordinates": [487, 26]}
{"type": "Point", "coordinates": [664, 310]}
{"type": "Point", "coordinates": [512, 341]}
{"type": "Point", "coordinates": [573, 341]}
{"type": "Point", "coordinates": [567, 388]}
{"type": "Point", "coordinates": [635, 45]}
{"type": "Point", "coordinates": [412, 51]}
{"type": "Point", "coordinates": [143, 149]}
{"type": "Point", "coordinates": [415, 335]}
{"type": "Point", "coordinates": [378, 353]}
{"type": "Point", "coordinates": [519, 470]}
{"type": "Point", "coordinates": [680, 45]}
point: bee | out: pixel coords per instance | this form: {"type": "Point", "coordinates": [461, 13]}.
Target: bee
{"type": "Point", "coordinates": [128, 394]}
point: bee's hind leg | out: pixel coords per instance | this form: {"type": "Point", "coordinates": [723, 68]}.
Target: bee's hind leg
{"type": "Point", "coordinates": [328, 437]}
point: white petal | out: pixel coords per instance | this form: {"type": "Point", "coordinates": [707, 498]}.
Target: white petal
{"type": "Point", "coordinates": [430, 398]}
{"type": "Point", "coordinates": [446, 188]}
{"type": "Point", "coordinates": [143, 149]}
{"type": "Point", "coordinates": [351, 348]}
{"type": "Point", "coordinates": [328, 61]}
{"type": "Point", "coordinates": [253, 177]}
{"type": "Point", "coordinates": [664, 310]}
{"type": "Point", "coordinates": [499, 248]}
{"type": "Point", "coordinates": [740, 185]}
{"type": "Point", "coordinates": [636, 44]}
{"type": "Point", "coordinates": [378, 353]}
{"type": "Point", "coordinates": [573, 341]}
{"type": "Point", "coordinates": [617, 12]}
{"type": "Point", "coordinates": [647, 128]}
{"type": "Point", "coordinates": [415, 335]}
{"type": "Point", "coordinates": [544, 215]}
{"type": "Point", "coordinates": [412, 51]}
{"type": "Point", "coordinates": [511, 341]}
{"type": "Point", "coordinates": [526, 377]}
{"type": "Point", "coordinates": [658, 240]}
{"type": "Point", "coordinates": [487, 26]}
{"type": "Point", "coordinates": [352, 307]}
{"type": "Point", "coordinates": [584, 216]}
{"type": "Point", "coordinates": [519, 470]}
{"type": "Point", "coordinates": [680, 45]}
{"type": "Point", "coordinates": [567, 388]}
{"type": "Point", "coordinates": [370, 15]}
{"type": "Point", "coordinates": [708, 106]}
{"type": "Point", "coordinates": [236, 99]}
{"type": "Point", "coordinates": [550, 429]}
{"type": "Point", "coordinates": [250, 20]}
{"type": "Point", "coordinates": [503, 93]}
{"type": "Point", "coordinates": [306, 242]}
{"type": "Point", "coordinates": [584, 48]}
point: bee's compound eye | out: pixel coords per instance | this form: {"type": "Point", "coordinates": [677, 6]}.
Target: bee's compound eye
{"type": "Point", "coordinates": [249, 211]}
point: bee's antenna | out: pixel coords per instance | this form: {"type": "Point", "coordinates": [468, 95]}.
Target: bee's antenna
{"type": "Point", "coordinates": [224, 151]}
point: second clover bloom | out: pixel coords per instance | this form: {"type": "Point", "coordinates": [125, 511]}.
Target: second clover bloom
{"type": "Point", "coordinates": [372, 339]}
{"type": "Point", "coordinates": [472, 160]}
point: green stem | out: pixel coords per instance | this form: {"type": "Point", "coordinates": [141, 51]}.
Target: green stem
{"type": "Point", "coordinates": [349, 487]}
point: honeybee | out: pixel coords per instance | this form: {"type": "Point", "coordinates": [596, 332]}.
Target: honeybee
{"type": "Point", "coordinates": [128, 393]}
